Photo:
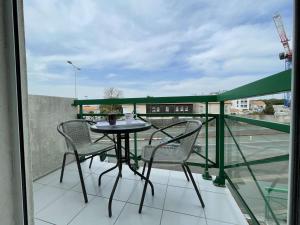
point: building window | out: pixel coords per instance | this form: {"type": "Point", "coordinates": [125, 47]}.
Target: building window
{"type": "Point", "coordinates": [153, 109]}
{"type": "Point", "coordinates": [186, 108]}
{"type": "Point", "coordinates": [181, 108]}
{"type": "Point", "coordinates": [167, 109]}
{"type": "Point", "coordinates": [176, 108]}
{"type": "Point", "coordinates": [157, 109]}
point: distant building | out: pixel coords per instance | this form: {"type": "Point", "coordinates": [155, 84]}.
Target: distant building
{"type": "Point", "coordinates": [281, 110]}
{"type": "Point", "coordinates": [241, 104]}
{"type": "Point", "coordinates": [169, 108]}
{"type": "Point", "coordinates": [257, 105]}
{"type": "Point", "coordinates": [213, 107]}
{"type": "Point", "coordinates": [177, 108]}
{"type": "Point", "coordinates": [139, 108]}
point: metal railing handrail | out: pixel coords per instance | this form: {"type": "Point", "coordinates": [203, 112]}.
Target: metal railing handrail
{"type": "Point", "coordinates": [276, 83]}
{"type": "Point", "coordinates": [148, 100]}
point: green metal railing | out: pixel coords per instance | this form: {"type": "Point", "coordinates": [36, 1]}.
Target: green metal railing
{"type": "Point", "coordinates": [247, 163]}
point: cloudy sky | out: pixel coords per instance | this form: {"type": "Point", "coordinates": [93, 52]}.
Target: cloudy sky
{"type": "Point", "coordinates": [151, 48]}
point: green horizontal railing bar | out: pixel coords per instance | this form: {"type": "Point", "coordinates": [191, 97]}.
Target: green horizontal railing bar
{"type": "Point", "coordinates": [279, 158]}
{"type": "Point", "coordinates": [99, 114]}
{"type": "Point", "coordinates": [279, 190]}
{"type": "Point", "coordinates": [148, 100]}
{"type": "Point", "coordinates": [176, 114]}
{"type": "Point", "coordinates": [200, 164]}
{"type": "Point", "coordinates": [276, 83]}
{"type": "Point", "coordinates": [156, 114]}
{"type": "Point", "coordinates": [131, 157]}
{"type": "Point", "coordinates": [261, 123]}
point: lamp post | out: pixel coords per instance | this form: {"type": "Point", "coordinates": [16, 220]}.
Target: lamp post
{"type": "Point", "coordinates": [76, 68]}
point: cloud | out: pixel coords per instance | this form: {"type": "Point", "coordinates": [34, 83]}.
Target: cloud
{"type": "Point", "coordinates": [183, 40]}
{"type": "Point", "coordinates": [111, 75]}
{"type": "Point", "coordinates": [239, 50]}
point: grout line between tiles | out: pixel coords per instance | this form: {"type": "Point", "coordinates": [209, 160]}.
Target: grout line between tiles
{"type": "Point", "coordinates": [80, 211]}
{"type": "Point", "coordinates": [55, 199]}
{"type": "Point", "coordinates": [45, 221]}
{"type": "Point", "coordinates": [165, 199]}
{"type": "Point", "coordinates": [124, 204]}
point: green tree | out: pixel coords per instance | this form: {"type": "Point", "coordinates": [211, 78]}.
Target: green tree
{"type": "Point", "coordinates": [274, 101]}
{"type": "Point", "coordinates": [269, 109]}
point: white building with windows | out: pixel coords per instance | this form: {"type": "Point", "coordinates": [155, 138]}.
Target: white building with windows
{"type": "Point", "coordinates": [241, 104]}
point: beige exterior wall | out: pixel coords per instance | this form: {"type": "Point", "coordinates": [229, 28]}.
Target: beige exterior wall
{"type": "Point", "coordinates": [213, 107]}
{"type": "Point", "coordinates": [129, 108]}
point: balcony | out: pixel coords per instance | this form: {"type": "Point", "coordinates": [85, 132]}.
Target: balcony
{"type": "Point", "coordinates": [174, 202]}
{"type": "Point", "coordinates": [247, 157]}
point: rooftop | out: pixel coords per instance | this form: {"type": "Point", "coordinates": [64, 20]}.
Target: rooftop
{"type": "Point", "coordinates": [175, 201]}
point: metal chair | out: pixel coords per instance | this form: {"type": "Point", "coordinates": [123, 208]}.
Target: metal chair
{"type": "Point", "coordinates": [173, 151]}
{"type": "Point", "coordinates": [79, 143]}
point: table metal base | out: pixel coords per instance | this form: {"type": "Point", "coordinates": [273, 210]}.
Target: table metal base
{"type": "Point", "coordinates": [120, 161]}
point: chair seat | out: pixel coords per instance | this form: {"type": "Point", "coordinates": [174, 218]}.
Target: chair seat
{"type": "Point", "coordinates": [94, 148]}
{"type": "Point", "coordinates": [166, 154]}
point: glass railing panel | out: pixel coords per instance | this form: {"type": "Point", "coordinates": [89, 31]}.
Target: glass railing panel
{"type": "Point", "coordinates": [262, 180]}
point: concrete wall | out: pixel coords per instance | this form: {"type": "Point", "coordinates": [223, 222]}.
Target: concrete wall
{"type": "Point", "coordinates": [47, 145]}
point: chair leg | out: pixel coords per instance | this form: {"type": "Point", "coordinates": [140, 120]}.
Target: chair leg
{"type": "Point", "coordinates": [91, 162]}
{"type": "Point", "coordinates": [81, 178]}
{"type": "Point", "coordinates": [144, 168]}
{"type": "Point", "coordinates": [145, 186]}
{"type": "Point", "coordinates": [63, 168]}
{"type": "Point", "coordinates": [195, 186]}
{"type": "Point", "coordinates": [187, 177]}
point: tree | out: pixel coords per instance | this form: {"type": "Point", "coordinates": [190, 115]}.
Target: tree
{"type": "Point", "coordinates": [112, 93]}
{"type": "Point", "coordinates": [269, 109]}
{"type": "Point", "coordinates": [274, 101]}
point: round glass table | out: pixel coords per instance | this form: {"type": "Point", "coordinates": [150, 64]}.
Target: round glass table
{"type": "Point", "coordinates": [122, 129]}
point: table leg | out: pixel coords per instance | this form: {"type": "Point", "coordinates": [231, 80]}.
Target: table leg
{"type": "Point", "coordinates": [119, 164]}
{"type": "Point", "coordinates": [127, 155]}
{"type": "Point", "coordinates": [106, 171]}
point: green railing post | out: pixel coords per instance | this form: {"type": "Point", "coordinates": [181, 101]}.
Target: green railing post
{"type": "Point", "coordinates": [136, 162]}
{"type": "Point", "coordinates": [206, 175]}
{"type": "Point", "coordinates": [80, 112]}
{"type": "Point", "coordinates": [217, 141]}
{"type": "Point", "coordinates": [220, 179]}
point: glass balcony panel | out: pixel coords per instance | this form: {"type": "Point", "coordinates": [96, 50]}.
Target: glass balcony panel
{"type": "Point", "coordinates": [262, 185]}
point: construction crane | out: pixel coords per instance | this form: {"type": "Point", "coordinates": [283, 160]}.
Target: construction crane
{"type": "Point", "coordinates": [287, 54]}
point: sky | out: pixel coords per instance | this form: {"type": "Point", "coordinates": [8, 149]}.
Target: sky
{"type": "Point", "coordinates": [151, 47]}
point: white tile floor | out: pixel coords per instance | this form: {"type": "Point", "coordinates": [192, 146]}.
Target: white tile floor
{"type": "Point", "coordinates": [175, 202]}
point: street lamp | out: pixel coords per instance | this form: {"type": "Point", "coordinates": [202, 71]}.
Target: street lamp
{"type": "Point", "coordinates": [75, 75]}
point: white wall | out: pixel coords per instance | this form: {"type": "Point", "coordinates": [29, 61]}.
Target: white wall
{"type": "Point", "coordinates": [241, 104]}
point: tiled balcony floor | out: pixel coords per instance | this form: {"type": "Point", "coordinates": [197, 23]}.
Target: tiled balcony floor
{"type": "Point", "coordinates": [174, 202]}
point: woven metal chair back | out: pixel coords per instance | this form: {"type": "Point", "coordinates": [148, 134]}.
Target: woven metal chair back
{"type": "Point", "coordinates": [187, 143]}
{"type": "Point", "coordinates": [78, 131]}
